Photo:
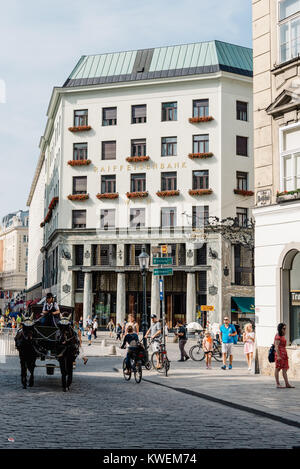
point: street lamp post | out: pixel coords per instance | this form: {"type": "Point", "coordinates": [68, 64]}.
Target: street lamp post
{"type": "Point", "coordinates": [144, 266]}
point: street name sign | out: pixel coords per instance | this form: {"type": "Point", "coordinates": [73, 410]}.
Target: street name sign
{"type": "Point", "coordinates": [207, 308]}
{"type": "Point", "coordinates": [168, 271]}
{"type": "Point", "coordinates": [162, 260]}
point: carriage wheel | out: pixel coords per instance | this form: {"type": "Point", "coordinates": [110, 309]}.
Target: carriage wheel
{"type": "Point", "coordinates": [126, 376]}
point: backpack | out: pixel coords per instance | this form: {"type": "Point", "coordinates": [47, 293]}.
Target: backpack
{"type": "Point", "coordinates": [235, 337]}
{"type": "Point", "coordinates": [271, 354]}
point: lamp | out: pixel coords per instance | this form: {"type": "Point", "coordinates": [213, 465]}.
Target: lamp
{"type": "Point", "coordinates": [144, 265]}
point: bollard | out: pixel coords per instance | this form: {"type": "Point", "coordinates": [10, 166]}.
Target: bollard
{"type": "Point", "coordinates": [103, 343]}
{"type": "Point", "coordinates": [112, 350]}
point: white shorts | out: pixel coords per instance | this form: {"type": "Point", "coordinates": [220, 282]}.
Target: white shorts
{"type": "Point", "coordinates": [227, 348]}
{"type": "Point", "coordinates": [155, 346]}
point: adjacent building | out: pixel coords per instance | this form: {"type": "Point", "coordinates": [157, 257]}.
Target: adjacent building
{"type": "Point", "coordinates": [147, 147]}
{"type": "Point", "coordinates": [13, 257]}
{"type": "Point", "coordinates": [276, 49]}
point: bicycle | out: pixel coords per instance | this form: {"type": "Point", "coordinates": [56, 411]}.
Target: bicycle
{"type": "Point", "coordinates": [197, 353]}
{"type": "Point", "coordinates": [161, 357]}
{"type": "Point", "coordinates": [135, 366]}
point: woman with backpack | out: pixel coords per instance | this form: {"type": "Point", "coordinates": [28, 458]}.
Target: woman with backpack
{"type": "Point", "coordinates": [281, 356]}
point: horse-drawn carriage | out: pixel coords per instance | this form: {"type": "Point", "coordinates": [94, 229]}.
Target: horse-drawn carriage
{"type": "Point", "coordinates": [55, 340]}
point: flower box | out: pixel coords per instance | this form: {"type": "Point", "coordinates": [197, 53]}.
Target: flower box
{"type": "Point", "coordinates": [78, 196]}
{"type": "Point", "coordinates": [195, 120]}
{"type": "Point", "coordinates": [200, 191]}
{"type": "Point", "coordinates": [243, 192]}
{"type": "Point", "coordinates": [51, 207]}
{"type": "Point", "coordinates": [170, 193]}
{"type": "Point", "coordinates": [193, 156]}
{"type": "Point", "coordinates": [79, 162]}
{"type": "Point", "coordinates": [132, 195]}
{"type": "Point", "coordinates": [136, 159]}
{"type": "Point", "coordinates": [108, 195]}
{"type": "Point", "coordinates": [287, 196]}
{"type": "Point", "coordinates": [80, 128]}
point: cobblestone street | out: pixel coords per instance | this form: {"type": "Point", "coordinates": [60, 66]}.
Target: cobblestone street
{"type": "Point", "coordinates": [104, 411]}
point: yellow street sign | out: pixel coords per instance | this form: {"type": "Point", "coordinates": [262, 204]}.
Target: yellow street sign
{"type": "Point", "coordinates": [207, 308]}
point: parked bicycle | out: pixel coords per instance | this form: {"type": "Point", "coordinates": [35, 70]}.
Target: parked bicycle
{"type": "Point", "coordinates": [197, 353]}
{"type": "Point", "coordinates": [160, 361]}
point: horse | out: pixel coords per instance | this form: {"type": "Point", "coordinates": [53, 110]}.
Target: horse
{"type": "Point", "coordinates": [69, 343]}
{"type": "Point", "coordinates": [27, 354]}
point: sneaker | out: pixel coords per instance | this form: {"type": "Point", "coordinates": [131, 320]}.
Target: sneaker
{"type": "Point", "coordinates": [187, 358]}
{"type": "Point", "coordinates": [223, 367]}
{"type": "Point", "coordinates": [230, 367]}
{"type": "Point", "coordinates": [180, 360]}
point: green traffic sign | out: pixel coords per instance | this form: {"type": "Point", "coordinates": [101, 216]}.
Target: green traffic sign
{"type": "Point", "coordinates": [163, 271]}
{"type": "Point", "coordinates": [162, 260]}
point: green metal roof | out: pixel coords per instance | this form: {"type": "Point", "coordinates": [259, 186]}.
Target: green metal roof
{"type": "Point", "coordinates": [162, 62]}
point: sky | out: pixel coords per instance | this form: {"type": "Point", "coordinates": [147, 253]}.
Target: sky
{"type": "Point", "coordinates": [41, 42]}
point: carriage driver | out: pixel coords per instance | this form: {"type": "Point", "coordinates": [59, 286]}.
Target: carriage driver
{"type": "Point", "coordinates": [51, 312]}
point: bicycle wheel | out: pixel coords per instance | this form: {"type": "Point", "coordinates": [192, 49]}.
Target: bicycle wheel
{"type": "Point", "coordinates": [126, 376]}
{"type": "Point", "coordinates": [166, 366]}
{"type": "Point", "coordinates": [217, 353]}
{"type": "Point", "coordinates": [148, 365]}
{"type": "Point", "coordinates": [196, 353]}
{"type": "Point", "coordinates": [154, 357]}
{"type": "Point", "coordinates": [138, 373]}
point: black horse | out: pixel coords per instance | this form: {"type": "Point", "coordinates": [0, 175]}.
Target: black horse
{"type": "Point", "coordinates": [27, 354]}
{"type": "Point", "coordinates": [69, 344]}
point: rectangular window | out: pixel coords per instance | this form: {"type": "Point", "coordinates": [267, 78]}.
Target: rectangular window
{"type": "Point", "coordinates": [78, 254]}
{"type": "Point", "coordinates": [138, 182]}
{"type": "Point", "coordinates": [169, 146]}
{"type": "Point", "coordinates": [289, 29]}
{"type": "Point", "coordinates": [201, 254]}
{"type": "Point", "coordinates": [137, 218]}
{"type": "Point", "coordinates": [79, 280]}
{"type": "Point", "coordinates": [109, 116]}
{"type": "Point", "coordinates": [169, 181]}
{"type": "Point", "coordinates": [241, 111]}
{"type": "Point", "coordinates": [242, 181]}
{"type": "Point", "coordinates": [168, 217]}
{"type": "Point", "coordinates": [107, 219]}
{"type": "Point", "coordinates": [241, 146]}
{"type": "Point", "coordinates": [169, 111]}
{"type": "Point", "coordinates": [200, 216]}
{"type": "Point", "coordinates": [290, 157]}
{"type": "Point", "coordinates": [243, 265]}
{"type": "Point", "coordinates": [80, 151]}
{"type": "Point", "coordinates": [139, 114]}
{"type": "Point", "coordinates": [200, 108]}
{"type": "Point", "coordinates": [201, 143]}
{"type": "Point", "coordinates": [242, 216]}
{"type": "Point", "coordinates": [109, 150]}
{"type": "Point", "coordinates": [78, 218]}
{"type": "Point", "coordinates": [108, 184]}
{"type": "Point", "coordinates": [201, 179]}
{"type": "Point", "coordinates": [79, 185]}
{"type": "Point", "coordinates": [80, 117]}
{"type": "Point", "coordinates": [138, 147]}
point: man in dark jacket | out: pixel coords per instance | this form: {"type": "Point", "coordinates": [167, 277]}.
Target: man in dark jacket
{"type": "Point", "coordinates": [182, 340]}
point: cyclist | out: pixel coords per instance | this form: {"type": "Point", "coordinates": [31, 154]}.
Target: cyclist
{"type": "Point", "coordinates": [155, 332]}
{"type": "Point", "coordinates": [132, 339]}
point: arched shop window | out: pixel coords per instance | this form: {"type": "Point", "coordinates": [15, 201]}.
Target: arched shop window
{"type": "Point", "coordinates": [295, 299]}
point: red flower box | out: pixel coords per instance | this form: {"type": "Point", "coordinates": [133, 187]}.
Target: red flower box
{"type": "Point", "coordinates": [132, 195]}
{"type": "Point", "coordinates": [80, 128]}
{"type": "Point", "coordinates": [195, 120]}
{"type": "Point", "coordinates": [168, 193]}
{"type": "Point", "coordinates": [193, 156]}
{"type": "Point", "coordinates": [136, 159]}
{"type": "Point", "coordinates": [51, 207]}
{"type": "Point", "coordinates": [108, 195]}
{"type": "Point", "coordinates": [78, 196]}
{"type": "Point", "coordinates": [243, 192]}
{"type": "Point", "coordinates": [79, 162]}
{"type": "Point", "coordinates": [200, 191]}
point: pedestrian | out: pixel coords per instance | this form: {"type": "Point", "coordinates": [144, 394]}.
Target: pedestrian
{"type": "Point", "coordinates": [2, 324]}
{"type": "Point", "coordinates": [95, 327]}
{"type": "Point", "coordinates": [111, 327]}
{"type": "Point", "coordinates": [132, 322]}
{"type": "Point", "coordinates": [155, 333]}
{"type": "Point", "coordinates": [81, 353]}
{"type": "Point", "coordinates": [227, 332]}
{"type": "Point", "coordinates": [118, 331]}
{"type": "Point", "coordinates": [80, 325]}
{"type": "Point", "coordinates": [166, 332]}
{"type": "Point", "coordinates": [19, 321]}
{"type": "Point", "coordinates": [207, 345]}
{"type": "Point", "coordinates": [281, 356]}
{"type": "Point", "coordinates": [182, 340]}
{"type": "Point", "coordinates": [249, 339]}
{"type": "Point", "coordinates": [89, 334]}
{"type": "Point", "coordinates": [89, 321]}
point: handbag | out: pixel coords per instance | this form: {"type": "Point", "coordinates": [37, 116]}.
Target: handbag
{"type": "Point", "coordinates": [271, 354]}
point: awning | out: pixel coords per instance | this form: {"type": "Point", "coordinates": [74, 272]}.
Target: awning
{"type": "Point", "coordinates": [245, 303]}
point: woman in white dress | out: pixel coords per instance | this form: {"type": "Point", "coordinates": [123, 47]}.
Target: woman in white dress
{"type": "Point", "coordinates": [249, 339]}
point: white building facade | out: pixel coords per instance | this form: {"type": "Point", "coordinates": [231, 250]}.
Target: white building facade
{"type": "Point", "coordinates": [143, 147]}
{"type": "Point", "coordinates": [276, 27]}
